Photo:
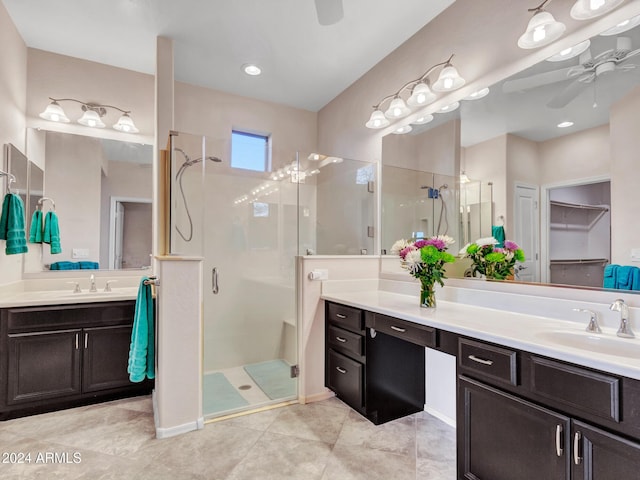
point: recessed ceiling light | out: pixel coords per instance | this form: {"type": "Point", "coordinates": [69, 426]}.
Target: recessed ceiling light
{"type": "Point", "coordinates": [565, 124]}
{"type": "Point", "coordinates": [251, 69]}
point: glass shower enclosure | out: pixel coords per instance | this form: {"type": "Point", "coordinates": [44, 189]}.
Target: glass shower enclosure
{"type": "Point", "coordinates": [243, 223]}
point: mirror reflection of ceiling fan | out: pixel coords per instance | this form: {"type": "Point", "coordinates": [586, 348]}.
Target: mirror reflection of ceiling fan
{"type": "Point", "coordinates": [587, 71]}
{"type": "Point", "coordinates": [329, 11]}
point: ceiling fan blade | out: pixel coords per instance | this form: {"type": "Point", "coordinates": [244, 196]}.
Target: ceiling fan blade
{"type": "Point", "coordinates": [568, 94]}
{"type": "Point", "coordinates": [329, 11]}
{"type": "Point", "coordinates": [537, 80]}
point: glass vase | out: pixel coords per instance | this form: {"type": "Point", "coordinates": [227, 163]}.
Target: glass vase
{"type": "Point", "coordinates": [427, 294]}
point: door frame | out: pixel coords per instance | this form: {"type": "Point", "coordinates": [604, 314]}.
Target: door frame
{"type": "Point", "coordinates": [545, 273]}
{"type": "Point", "coordinates": [537, 226]}
{"type": "Point", "coordinates": [114, 201]}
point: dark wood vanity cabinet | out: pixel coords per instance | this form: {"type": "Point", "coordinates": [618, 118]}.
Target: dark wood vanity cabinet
{"type": "Point", "coordinates": [525, 417]}
{"type": "Point", "coordinates": [60, 356]}
{"type": "Point", "coordinates": [375, 363]}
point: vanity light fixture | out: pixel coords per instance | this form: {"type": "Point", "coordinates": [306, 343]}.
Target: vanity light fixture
{"type": "Point", "coordinates": [587, 9]}
{"type": "Point", "coordinates": [421, 94]}
{"type": "Point", "coordinates": [423, 119]}
{"type": "Point", "coordinates": [622, 26]}
{"type": "Point", "coordinates": [565, 124]}
{"type": "Point", "coordinates": [91, 117]}
{"type": "Point", "coordinates": [570, 52]}
{"type": "Point", "coordinates": [402, 130]}
{"type": "Point", "coordinates": [542, 29]}
{"type": "Point", "coordinates": [477, 95]}
{"type": "Point", "coordinates": [449, 108]}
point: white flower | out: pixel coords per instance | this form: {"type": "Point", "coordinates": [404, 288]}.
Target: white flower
{"type": "Point", "coordinates": [413, 259]}
{"type": "Point", "coordinates": [446, 239]}
{"type": "Point", "coordinates": [482, 242]}
{"type": "Point", "coordinates": [399, 245]}
{"type": "Point", "coordinates": [463, 250]}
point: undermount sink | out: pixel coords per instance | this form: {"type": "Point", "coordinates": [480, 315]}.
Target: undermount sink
{"type": "Point", "coordinates": [597, 343]}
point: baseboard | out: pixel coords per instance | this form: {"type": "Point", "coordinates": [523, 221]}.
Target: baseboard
{"type": "Point", "coordinates": [179, 429]}
{"type": "Point", "coordinates": [440, 416]}
{"type": "Point", "coordinates": [318, 397]}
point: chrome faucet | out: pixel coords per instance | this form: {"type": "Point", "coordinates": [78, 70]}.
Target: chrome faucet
{"type": "Point", "coordinates": [593, 326]}
{"type": "Point", "coordinates": [624, 330]}
{"type": "Point", "coordinates": [92, 286]}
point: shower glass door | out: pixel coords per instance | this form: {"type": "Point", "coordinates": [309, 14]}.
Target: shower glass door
{"type": "Point", "coordinates": [244, 224]}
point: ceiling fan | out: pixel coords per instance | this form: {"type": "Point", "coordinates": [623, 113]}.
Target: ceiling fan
{"type": "Point", "coordinates": [587, 71]}
{"type": "Point", "coordinates": [329, 11]}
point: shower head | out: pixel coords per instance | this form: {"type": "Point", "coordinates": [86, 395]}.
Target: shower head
{"type": "Point", "coordinates": [444, 186]}
{"type": "Point", "coordinates": [186, 157]}
{"type": "Point", "coordinates": [214, 159]}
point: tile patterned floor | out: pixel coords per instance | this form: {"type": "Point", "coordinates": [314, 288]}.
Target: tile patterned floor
{"type": "Point", "coordinates": [324, 441]}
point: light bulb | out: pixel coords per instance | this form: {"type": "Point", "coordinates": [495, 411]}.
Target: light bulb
{"type": "Point", "coordinates": [448, 83]}
{"type": "Point", "coordinates": [539, 34]}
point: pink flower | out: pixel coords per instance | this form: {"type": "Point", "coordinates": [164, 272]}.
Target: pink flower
{"type": "Point", "coordinates": [420, 243]}
{"type": "Point", "coordinates": [509, 245]}
{"type": "Point", "coordinates": [403, 253]}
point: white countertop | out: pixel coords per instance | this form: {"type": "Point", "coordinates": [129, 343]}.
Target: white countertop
{"type": "Point", "coordinates": [64, 297]}
{"type": "Point", "coordinates": [516, 330]}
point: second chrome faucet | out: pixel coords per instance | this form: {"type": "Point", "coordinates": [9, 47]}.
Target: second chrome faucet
{"type": "Point", "coordinates": [624, 330]}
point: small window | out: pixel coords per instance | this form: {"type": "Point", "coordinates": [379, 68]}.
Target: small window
{"type": "Point", "coordinates": [249, 151]}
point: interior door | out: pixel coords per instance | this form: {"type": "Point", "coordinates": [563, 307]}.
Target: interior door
{"type": "Point", "coordinates": [527, 227]}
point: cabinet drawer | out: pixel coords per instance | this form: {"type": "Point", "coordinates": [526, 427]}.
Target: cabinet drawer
{"type": "Point", "coordinates": [346, 379]}
{"type": "Point", "coordinates": [411, 332]}
{"type": "Point", "coordinates": [347, 317]}
{"type": "Point", "coordinates": [577, 388]}
{"type": "Point", "coordinates": [488, 360]}
{"type": "Point", "coordinates": [348, 342]}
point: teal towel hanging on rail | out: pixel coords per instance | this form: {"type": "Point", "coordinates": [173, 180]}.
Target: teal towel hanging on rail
{"type": "Point", "coordinates": [12, 225]}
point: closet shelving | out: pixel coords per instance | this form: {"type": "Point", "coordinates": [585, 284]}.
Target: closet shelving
{"type": "Point", "coordinates": [575, 216]}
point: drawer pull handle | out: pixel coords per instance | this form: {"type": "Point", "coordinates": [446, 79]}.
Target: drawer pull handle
{"type": "Point", "coordinates": [576, 448]}
{"type": "Point", "coordinates": [398, 329]}
{"type": "Point", "coordinates": [340, 315]}
{"type": "Point", "coordinates": [86, 340]}
{"type": "Point", "coordinates": [341, 340]}
{"type": "Point", "coordinates": [480, 360]}
{"type": "Point", "coordinates": [341, 370]}
{"type": "Point", "coordinates": [77, 340]}
{"type": "Point", "coordinates": [559, 449]}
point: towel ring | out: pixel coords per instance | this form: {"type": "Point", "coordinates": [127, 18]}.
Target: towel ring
{"type": "Point", "coordinates": [11, 177]}
{"type": "Point", "coordinates": [44, 199]}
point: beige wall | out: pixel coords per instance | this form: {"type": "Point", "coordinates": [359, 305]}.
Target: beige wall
{"type": "Point", "coordinates": [13, 93]}
{"type": "Point", "coordinates": [486, 52]}
{"type": "Point", "coordinates": [625, 194]}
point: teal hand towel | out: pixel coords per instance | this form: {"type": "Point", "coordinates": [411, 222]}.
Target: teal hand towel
{"type": "Point", "coordinates": [142, 348]}
{"type": "Point", "coordinates": [497, 232]}
{"type": "Point", "coordinates": [37, 229]}
{"type": "Point", "coordinates": [52, 232]}
{"type": "Point", "coordinates": [610, 276]}
{"type": "Point", "coordinates": [12, 225]}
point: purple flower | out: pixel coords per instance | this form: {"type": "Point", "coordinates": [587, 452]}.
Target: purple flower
{"type": "Point", "coordinates": [421, 243]}
{"type": "Point", "coordinates": [404, 251]}
{"type": "Point", "coordinates": [509, 245]}
{"type": "Point", "coordinates": [499, 250]}
{"type": "Point", "coordinates": [436, 242]}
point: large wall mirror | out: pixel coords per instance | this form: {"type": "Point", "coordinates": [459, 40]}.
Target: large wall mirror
{"type": "Point", "coordinates": [552, 148]}
{"type": "Point", "coordinates": [101, 192]}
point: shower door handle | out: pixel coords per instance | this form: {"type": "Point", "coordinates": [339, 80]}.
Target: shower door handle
{"type": "Point", "coordinates": [214, 280]}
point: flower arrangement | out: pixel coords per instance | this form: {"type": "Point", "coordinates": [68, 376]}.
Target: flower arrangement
{"type": "Point", "coordinates": [492, 261]}
{"type": "Point", "coordinates": [425, 260]}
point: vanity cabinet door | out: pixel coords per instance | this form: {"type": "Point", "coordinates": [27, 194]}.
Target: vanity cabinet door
{"type": "Point", "coordinates": [505, 438]}
{"type": "Point", "coordinates": [599, 455]}
{"type": "Point", "coordinates": [105, 357]}
{"type": "Point", "coordinates": [43, 365]}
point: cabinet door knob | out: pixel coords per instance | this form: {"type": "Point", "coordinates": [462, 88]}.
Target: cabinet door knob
{"type": "Point", "coordinates": [559, 448]}
{"type": "Point", "coordinates": [341, 340]}
{"type": "Point", "coordinates": [398, 329]}
{"type": "Point", "coordinates": [576, 448]}
{"type": "Point", "coordinates": [480, 360]}
{"type": "Point", "coordinates": [341, 370]}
